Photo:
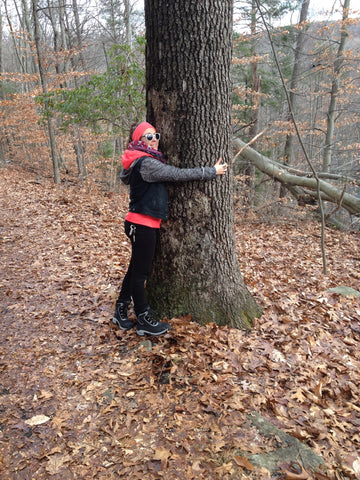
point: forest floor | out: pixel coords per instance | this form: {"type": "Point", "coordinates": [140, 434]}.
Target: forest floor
{"type": "Point", "coordinates": [81, 400]}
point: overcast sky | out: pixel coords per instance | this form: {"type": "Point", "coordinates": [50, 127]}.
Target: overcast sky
{"type": "Point", "coordinates": [319, 9]}
{"type": "Point", "coordinates": [323, 10]}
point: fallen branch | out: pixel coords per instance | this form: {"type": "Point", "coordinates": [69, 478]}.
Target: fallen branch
{"type": "Point", "coordinates": [274, 170]}
{"type": "Point", "coordinates": [253, 140]}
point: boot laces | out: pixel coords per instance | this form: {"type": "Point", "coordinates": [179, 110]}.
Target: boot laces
{"type": "Point", "coordinates": [123, 308]}
{"type": "Point", "coordinates": [151, 320]}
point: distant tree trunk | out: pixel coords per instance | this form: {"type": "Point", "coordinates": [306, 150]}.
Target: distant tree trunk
{"type": "Point", "coordinates": [1, 54]}
{"type": "Point", "coordinates": [64, 41]}
{"type": "Point", "coordinates": [29, 30]}
{"type": "Point", "coordinates": [22, 42]}
{"type": "Point", "coordinates": [78, 34]}
{"type": "Point", "coordinates": [2, 139]}
{"type": "Point", "coordinates": [44, 89]}
{"type": "Point", "coordinates": [26, 18]}
{"type": "Point", "coordinates": [300, 38]}
{"type": "Point", "coordinates": [256, 80]}
{"type": "Point", "coordinates": [255, 104]}
{"type": "Point", "coordinates": [332, 111]}
{"type": "Point", "coordinates": [56, 14]}
{"type": "Point", "coordinates": [17, 48]}
{"type": "Point", "coordinates": [188, 61]}
{"type": "Point", "coordinates": [56, 33]}
{"type": "Point", "coordinates": [79, 151]}
{"type": "Point", "coordinates": [127, 20]}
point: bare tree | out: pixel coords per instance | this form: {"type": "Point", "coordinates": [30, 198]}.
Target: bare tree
{"type": "Point", "coordinates": [2, 144]}
{"type": "Point", "coordinates": [17, 48]}
{"type": "Point", "coordinates": [255, 102]}
{"type": "Point", "coordinates": [78, 33]}
{"type": "Point", "coordinates": [300, 39]}
{"type": "Point", "coordinates": [332, 110]}
{"type": "Point", "coordinates": [1, 52]}
{"type": "Point", "coordinates": [44, 87]}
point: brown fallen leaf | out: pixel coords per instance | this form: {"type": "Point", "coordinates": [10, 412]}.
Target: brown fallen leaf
{"type": "Point", "coordinates": [56, 462]}
{"type": "Point", "coordinates": [320, 476]}
{"type": "Point", "coordinates": [161, 454]}
{"type": "Point", "coordinates": [243, 462]}
{"type": "Point", "coordinates": [352, 464]}
{"type": "Point", "coordinates": [292, 475]}
{"type": "Point", "coordinates": [37, 420]}
{"type": "Point", "coordinates": [318, 390]}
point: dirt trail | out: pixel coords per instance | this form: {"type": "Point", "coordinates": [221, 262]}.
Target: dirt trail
{"type": "Point", "coordinates": [79, 399]}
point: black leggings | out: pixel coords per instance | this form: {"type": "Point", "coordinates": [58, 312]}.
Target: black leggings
{"type": "Point", "coordinates": [143, 243]}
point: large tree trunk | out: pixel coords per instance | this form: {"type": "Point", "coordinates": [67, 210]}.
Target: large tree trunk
{"type": "Point", "coordinates": [188, 61]}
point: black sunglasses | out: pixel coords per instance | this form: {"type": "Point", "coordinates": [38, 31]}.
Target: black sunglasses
{"type": "Point", "coordinates": [150, 136]}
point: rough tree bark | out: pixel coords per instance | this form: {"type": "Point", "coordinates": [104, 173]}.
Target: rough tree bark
{"type": "Point", "coordinates": [188, 61]}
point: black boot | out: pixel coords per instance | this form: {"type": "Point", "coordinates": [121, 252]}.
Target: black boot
{"type": "Point", "coordinates": [146, 324]}
{"type": "Point", "coordinates": [120, 316]}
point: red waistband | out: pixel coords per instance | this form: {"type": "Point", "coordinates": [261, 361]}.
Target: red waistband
{"type": "Point", "coordinates": [141, 219]}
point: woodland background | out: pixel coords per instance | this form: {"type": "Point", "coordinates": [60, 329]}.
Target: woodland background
{"type": "Point", "coordinates": [79, 399]}
{"type": "Point", "coordinates": [72, 82]}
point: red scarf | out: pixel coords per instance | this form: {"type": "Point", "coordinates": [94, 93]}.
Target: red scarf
{"type": "Point", "coordinates": [143, 147]}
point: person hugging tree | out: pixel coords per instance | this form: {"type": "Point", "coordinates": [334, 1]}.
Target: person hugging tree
{"type": "Point", "coordinates": [146, 172]}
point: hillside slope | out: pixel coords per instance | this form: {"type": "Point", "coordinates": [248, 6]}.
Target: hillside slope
{"type": "Point", "coordinates": [79, 399]}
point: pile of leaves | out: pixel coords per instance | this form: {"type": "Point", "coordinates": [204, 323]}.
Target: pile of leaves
{"type": "Point", "coordinates": [81, 399]}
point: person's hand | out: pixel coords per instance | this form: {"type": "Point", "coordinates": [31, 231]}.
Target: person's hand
{"type": "Point", "coordinates": [220, 167]}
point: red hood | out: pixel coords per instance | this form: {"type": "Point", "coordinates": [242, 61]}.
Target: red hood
{"type": "Point", "coordinates": [130, 156]}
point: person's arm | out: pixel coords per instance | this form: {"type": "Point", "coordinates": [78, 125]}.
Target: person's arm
{"type": "Point", "coordinates": [154, 171]}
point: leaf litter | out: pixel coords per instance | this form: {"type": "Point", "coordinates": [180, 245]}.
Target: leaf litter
{"type": "Point", "coordinates": [80, 399]}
